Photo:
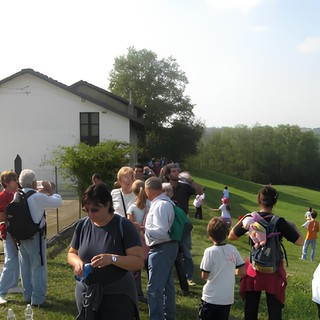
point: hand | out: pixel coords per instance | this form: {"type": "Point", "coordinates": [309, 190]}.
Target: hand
{"type": "Point", "coordinates": [47, 189]}
{"type": "Point", "coordinates": [3, 231]}
{"type": "Point", "coordinates": [78, 269]}
{"type": "Point", "coordinates": [101, 260]}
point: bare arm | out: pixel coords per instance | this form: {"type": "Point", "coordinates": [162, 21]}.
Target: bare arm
{"type": "Point", "coordinates": [133, 260]}
{"type": "Point", "coordinates": [197, 187]}
{"type": "Point", "coordinates": [241, 271]}
{"type": "Point", "coordinates": [204, 275]}
{"type": "Point", "coordinates": [300, 240]}
{"type": "Point", "coordinates": [75, 261]}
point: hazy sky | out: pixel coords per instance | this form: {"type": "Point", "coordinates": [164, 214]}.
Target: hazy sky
{"type": "Point", "coordinates": [247, 61]}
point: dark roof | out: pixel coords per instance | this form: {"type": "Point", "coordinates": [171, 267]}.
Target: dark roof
{"type": "Point", "coordinates": [76, 89]}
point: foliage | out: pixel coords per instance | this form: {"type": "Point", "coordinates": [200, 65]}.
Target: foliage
{"type": "Point", "coordinates": [158, 85]}
{"type": "Point", "coordinates": [78, 163]}
{"type": "Point", "coordinates": [282, 155]}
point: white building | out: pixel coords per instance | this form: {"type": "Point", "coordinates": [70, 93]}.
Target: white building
{"type": "Point", "coordinates": [38, 114]}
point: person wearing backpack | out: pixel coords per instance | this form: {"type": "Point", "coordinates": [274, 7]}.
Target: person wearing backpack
{"type": "Point", "coordinates": [10, 272]}
{"type": "Point", "coordinates": [274, 284]}
{"type": "Point", "coordinates": [32, 252]}
{"type": "Point", "coordinates": [162, 254]}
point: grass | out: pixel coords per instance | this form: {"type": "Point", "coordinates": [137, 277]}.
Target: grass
{"type": "Point", "coordinates": [293, 203]}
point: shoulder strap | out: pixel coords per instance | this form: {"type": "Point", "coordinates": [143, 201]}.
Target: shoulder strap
{"type": "Point", "coordinates": [124, 205]}
{"type": "Point", "coordinates": [272, 226]}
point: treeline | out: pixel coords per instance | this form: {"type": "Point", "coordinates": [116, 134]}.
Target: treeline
{"type": "Point", "coordinates": [285, 154]}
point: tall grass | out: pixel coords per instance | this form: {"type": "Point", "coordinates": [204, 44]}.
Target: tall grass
{"type": "Point", "coordinates": [293, 203]}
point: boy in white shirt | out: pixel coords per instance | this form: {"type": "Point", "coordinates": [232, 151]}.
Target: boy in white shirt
{"type": "Point", "coordinates": [219, 265]}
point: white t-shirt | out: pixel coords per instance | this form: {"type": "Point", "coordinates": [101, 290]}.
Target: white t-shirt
{"type": "Point", "coordinates": [139, 213]}
{"type": "Point", "coordinates": [220, 262]}
{"type": "Point", "coordinates": [128, 198]}
{"type": "Point", "coordinates": [224, 211]}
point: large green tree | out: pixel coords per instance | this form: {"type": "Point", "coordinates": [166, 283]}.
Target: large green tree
{"type": "Point", "coordinates": [158, 85]}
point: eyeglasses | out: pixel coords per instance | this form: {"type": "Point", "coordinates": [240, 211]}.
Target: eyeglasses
{"type": "Point", "coordinates": [93, 210]}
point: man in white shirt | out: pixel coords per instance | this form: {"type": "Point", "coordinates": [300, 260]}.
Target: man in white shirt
{"type": "Point", "coordinates": [162, 254]}
{"type": "Point", "coordinates": [32, 252]}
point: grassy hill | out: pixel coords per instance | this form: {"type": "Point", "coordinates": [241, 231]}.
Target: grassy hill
{"type": "Point", "coordinates": [292, 205]}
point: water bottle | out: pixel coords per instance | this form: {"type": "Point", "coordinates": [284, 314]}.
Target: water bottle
{"type": "Point", "coordinates": [11, 315]}
{"type": "Point", "coordinates": [28, 313]}
{"type": "Point", "coordinates": [87, 269]}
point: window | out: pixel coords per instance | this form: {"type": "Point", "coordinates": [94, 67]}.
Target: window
{"type": "Point", "coordinates": [89, 128]}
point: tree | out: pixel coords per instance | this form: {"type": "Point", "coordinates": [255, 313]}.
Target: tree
{"type": "Point", "coordinates": [281, 155]}
{"type": "Point", "coordinates": [80, 161]}
{"type": "Point", "coordinates": [157, 85]}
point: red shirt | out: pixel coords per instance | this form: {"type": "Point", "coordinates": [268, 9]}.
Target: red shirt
{"type": "Point", "coordinates": [5, 199]}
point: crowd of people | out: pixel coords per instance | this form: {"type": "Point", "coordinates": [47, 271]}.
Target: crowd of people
{"type": "Point", "coordinates": [127, 231]}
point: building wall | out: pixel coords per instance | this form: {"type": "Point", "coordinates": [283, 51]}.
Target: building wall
{"type": "Point", "coordinates": [37, 116]}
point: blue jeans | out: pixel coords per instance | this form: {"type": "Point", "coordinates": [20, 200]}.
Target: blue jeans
{"type": "Point", "coordinates": [10, 272]}
{"type": "Point", "coordinates": [161, 290]}
{"type": "Point", "coordinates": [33, 273]}
{"type": "Point", "coordinates": [305, 248]}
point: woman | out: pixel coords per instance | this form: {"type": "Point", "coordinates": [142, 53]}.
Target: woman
{"type": "Point", "coordinates": [113, 247]}
{"type": "Point", "coordinates": [137, 213]}
{"type": "Point", "coordinates": [275, 283]}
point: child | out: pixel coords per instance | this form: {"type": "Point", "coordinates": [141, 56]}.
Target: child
{"type": "Point", "coordinates": [219, 265]}
{"type": "Point", "coordinates": [137, 213]}
{"type": "Point", "coordinates": [311, 237]}
{"type": "Point", "coordinates": [198, 201]}
{"type": "Point", "coordinates": [225, 211]}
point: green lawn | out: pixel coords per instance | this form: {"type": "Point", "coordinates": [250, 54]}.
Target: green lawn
{"type": "Point", "coordinates": [292, 204]}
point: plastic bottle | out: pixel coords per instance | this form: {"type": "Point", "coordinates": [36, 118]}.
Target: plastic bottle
{"type": "Point", "coordinates": [11, 315]}
{"type": "Point", "coordinates": [28, 313]}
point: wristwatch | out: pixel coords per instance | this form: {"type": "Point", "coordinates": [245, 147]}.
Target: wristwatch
{"type": "Point", "coordinates": [114, 259]}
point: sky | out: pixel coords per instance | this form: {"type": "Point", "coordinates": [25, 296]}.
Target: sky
{"type": "Point", "coordinates": [248, 62]}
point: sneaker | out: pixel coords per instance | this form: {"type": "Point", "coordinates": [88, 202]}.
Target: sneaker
{"type": "Point", "coordinates": [2, 300]}
{"type": "Point", "coordinates": [191, 283]}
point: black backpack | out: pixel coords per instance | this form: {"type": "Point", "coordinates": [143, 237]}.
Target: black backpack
{"type": "Point", "coordinates": [19, 221]}
{"type": "Point", "coordinates": [266, 259]}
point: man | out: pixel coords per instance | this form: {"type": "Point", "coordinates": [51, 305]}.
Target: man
{"type": "Point", "coordinates": [10, 272]}
{"type": "Point", "coordinates": [96, 179]}
{"type": "Point", "coordinates": [138, 172]}
{"type": "Point", "coordinates": [123, 197]}
{"type": "Point", "coordinates": [32, 252]}
{"type": "Point", "coordinates": [183, 187]}
{"type": "Point", "coordinates": [163, 252]}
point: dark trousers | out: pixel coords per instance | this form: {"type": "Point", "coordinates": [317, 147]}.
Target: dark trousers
{"type": "Point", "coordinates": [318, 305]}
{"type": "Point", "coordinates": [208, 311]}
{"type": "Point", "coordinates": [181, 272]}
{"type": "Point", "coordinates": [198, 214]}
{"type": "Point", "coordinates": [252, 306]}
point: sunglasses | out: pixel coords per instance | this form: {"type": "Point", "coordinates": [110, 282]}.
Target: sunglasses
{"type": "Point", "coordinates": [93, 210]}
